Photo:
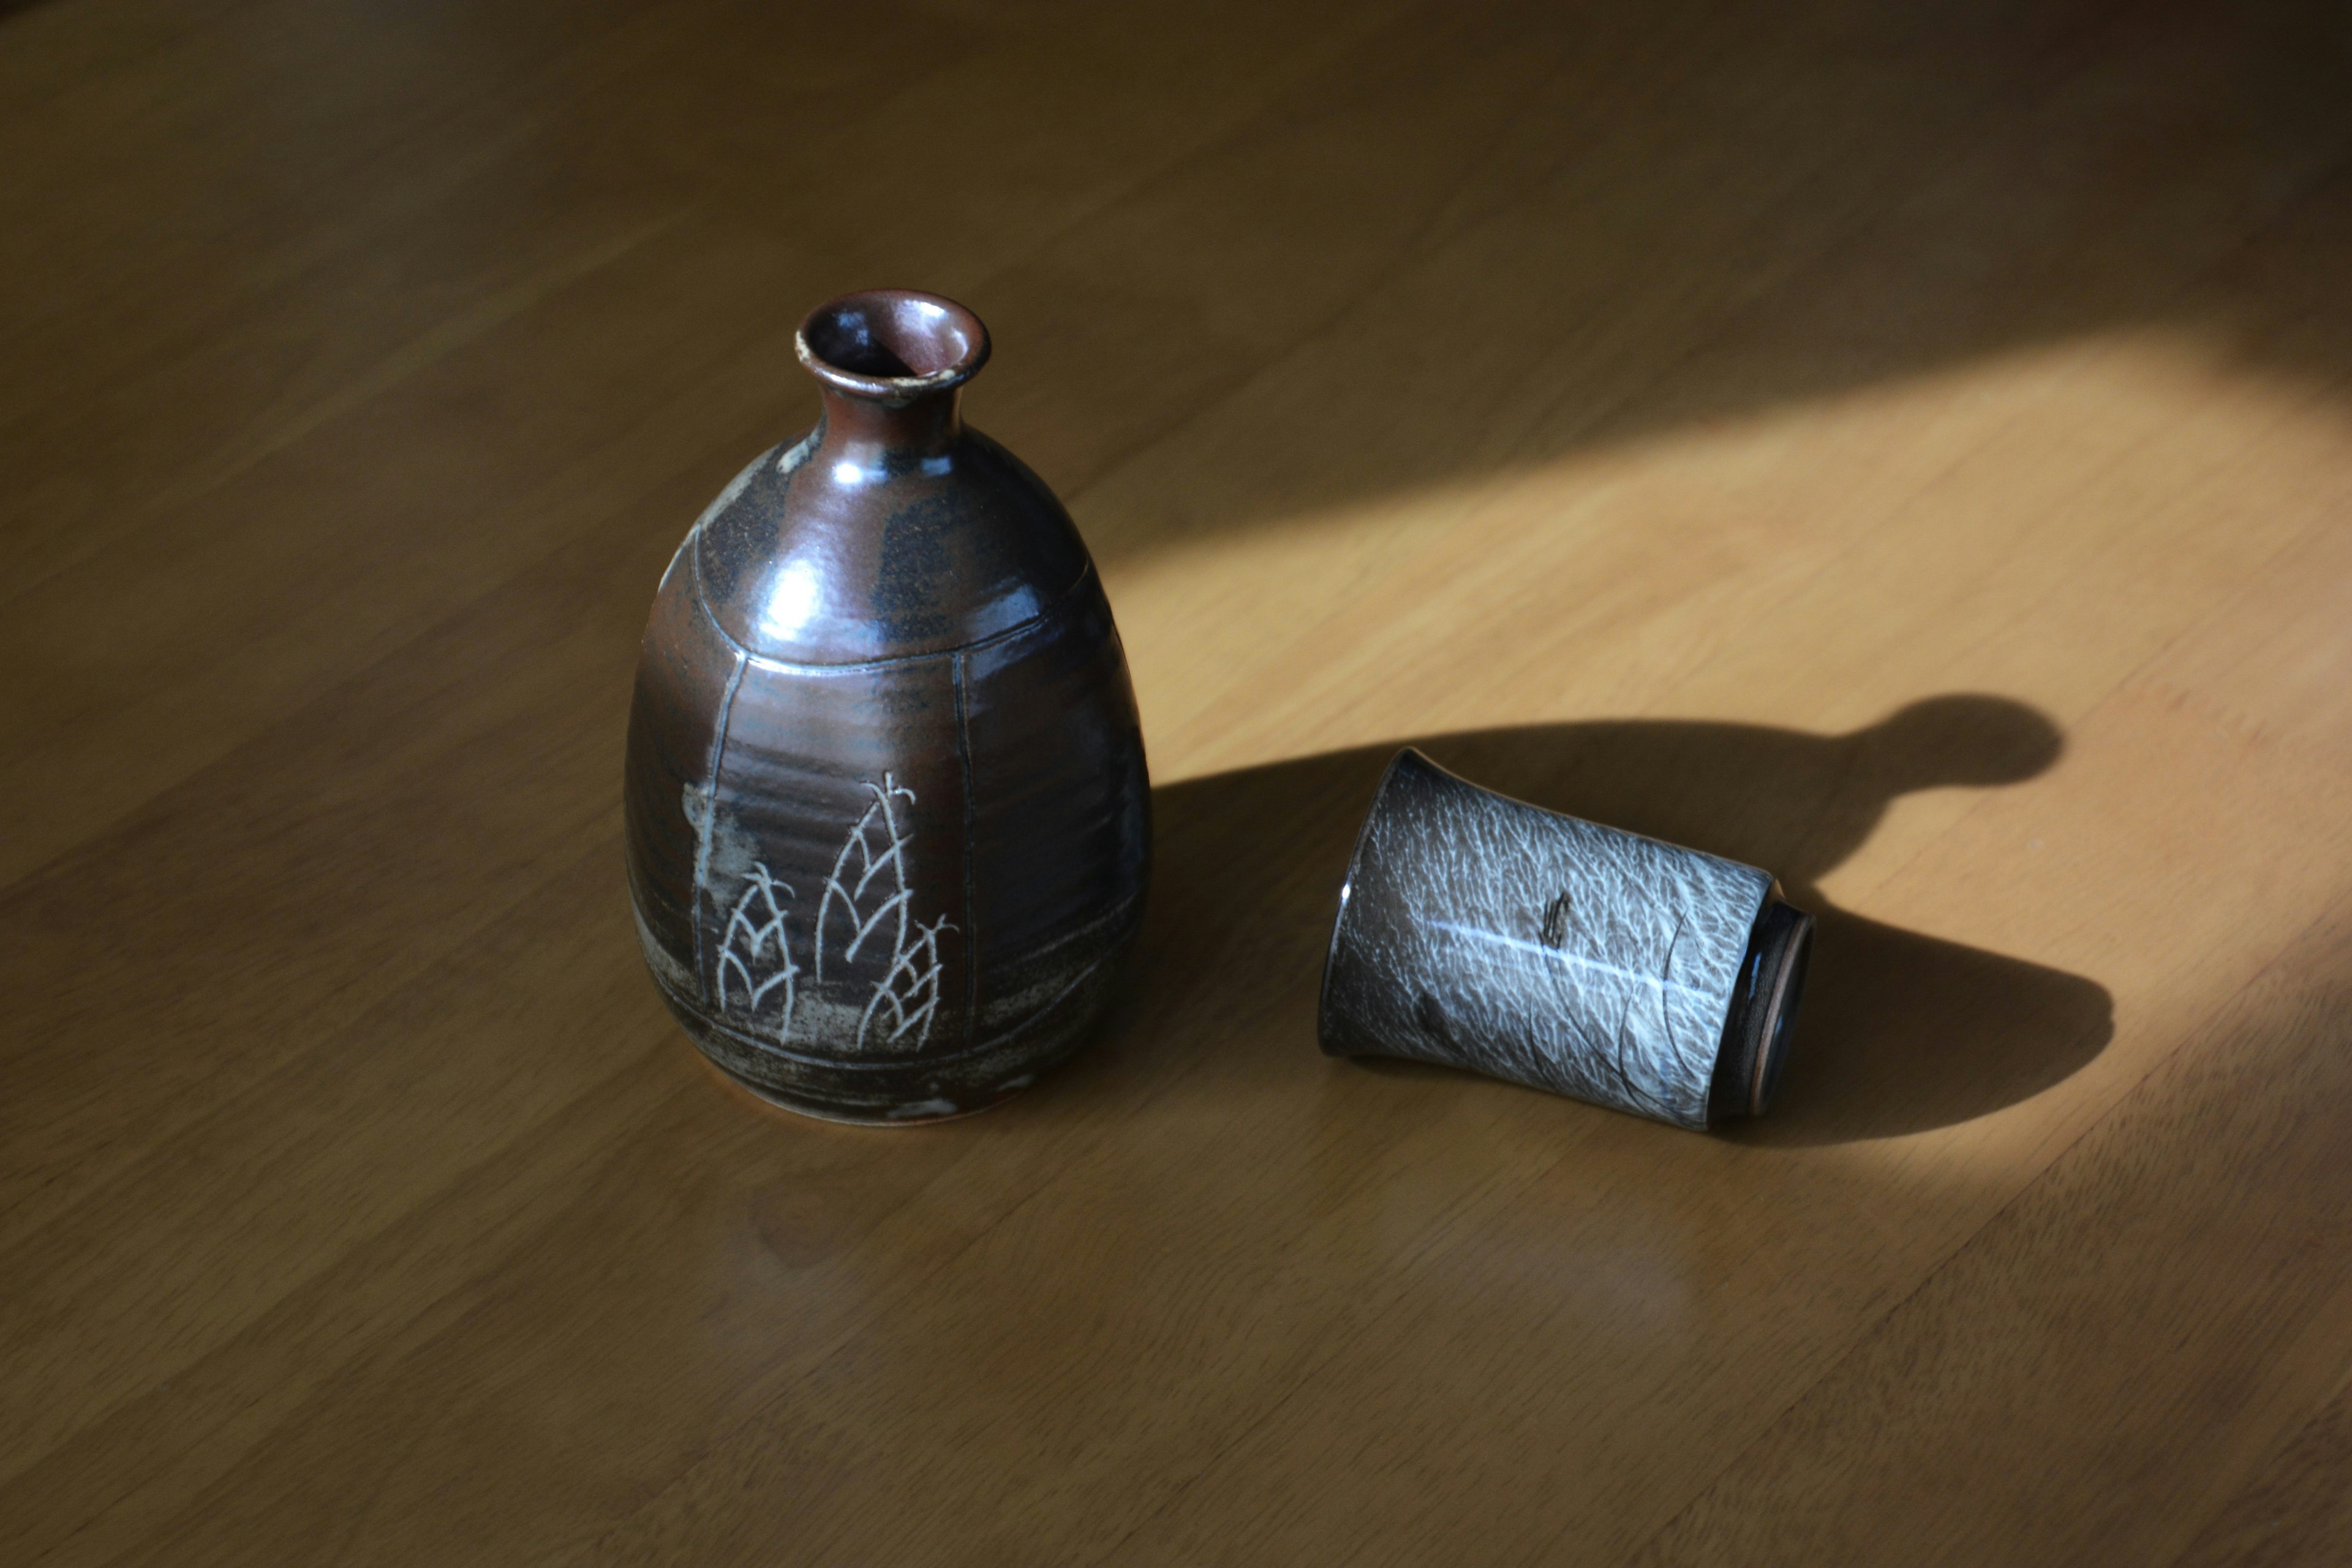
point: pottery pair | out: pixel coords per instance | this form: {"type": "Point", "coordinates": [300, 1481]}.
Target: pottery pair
{"type": "Point", "coordinates": [889, 821]}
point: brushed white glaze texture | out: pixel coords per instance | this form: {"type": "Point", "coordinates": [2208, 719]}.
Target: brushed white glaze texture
{"type": "Point", "coordinates": [1482, 933]}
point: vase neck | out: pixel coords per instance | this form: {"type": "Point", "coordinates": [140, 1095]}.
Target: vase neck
{"type": "Point", "coordinates": [872, 436]}
{"type": "Point", "coordinates": [891, 364]}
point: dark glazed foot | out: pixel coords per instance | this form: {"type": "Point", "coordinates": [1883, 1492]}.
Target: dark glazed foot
{"type": "Point", "coordinates": [1763, 1011]}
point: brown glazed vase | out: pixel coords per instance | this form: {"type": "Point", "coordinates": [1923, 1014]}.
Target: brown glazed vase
{"type": "Point", "coordinates": [887, 816]}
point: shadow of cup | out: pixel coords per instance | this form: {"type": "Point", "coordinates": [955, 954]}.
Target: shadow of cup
{"type": "Point", "coordinates": [1899, 1032]}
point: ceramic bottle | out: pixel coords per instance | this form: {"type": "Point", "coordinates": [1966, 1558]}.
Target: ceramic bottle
{"type": "Point", "coordinates": [887, 806]}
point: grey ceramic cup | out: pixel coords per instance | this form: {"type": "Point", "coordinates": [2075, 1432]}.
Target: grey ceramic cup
{"type": "Point", "coordinates": [1479, 931]}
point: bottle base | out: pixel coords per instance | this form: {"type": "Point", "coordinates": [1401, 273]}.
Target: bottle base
{"type": "Point", "coordinates": [917, 1113]}
{"type": "Point", "coordinates": [907, 1094]}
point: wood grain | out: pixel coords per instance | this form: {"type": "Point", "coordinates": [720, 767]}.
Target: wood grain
{"type": "Point", "coordinates": [1908, 449]}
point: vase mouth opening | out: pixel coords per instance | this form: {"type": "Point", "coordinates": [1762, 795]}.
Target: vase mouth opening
{"type": "Point", "coordinates": [892, 344]}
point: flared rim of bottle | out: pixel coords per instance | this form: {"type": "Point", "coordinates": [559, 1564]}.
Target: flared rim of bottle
{"type": "Point", "coordinates": [892, 345]}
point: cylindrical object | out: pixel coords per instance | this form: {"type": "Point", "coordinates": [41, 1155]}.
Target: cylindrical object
{"type": "Point", "coordinates": [1480, 931]}
{"type": "Point", "coordinates": [886, 808]}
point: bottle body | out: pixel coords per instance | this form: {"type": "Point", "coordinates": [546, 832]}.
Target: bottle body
{"type": "Point", "coordinates": [886, 803]}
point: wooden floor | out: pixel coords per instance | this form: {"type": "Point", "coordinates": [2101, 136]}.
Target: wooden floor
{"type": "Point", "coordinates": [1907, 448]}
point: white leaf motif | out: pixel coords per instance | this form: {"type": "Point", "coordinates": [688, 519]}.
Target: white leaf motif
{"type": "Point", "coordinates": [866, 909]}
{"type": "Point", "coordinates": [755, 929]}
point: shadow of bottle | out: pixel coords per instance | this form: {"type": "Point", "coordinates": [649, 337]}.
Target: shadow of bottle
{"type": "Point", "coordinates": [1899, 1032]}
